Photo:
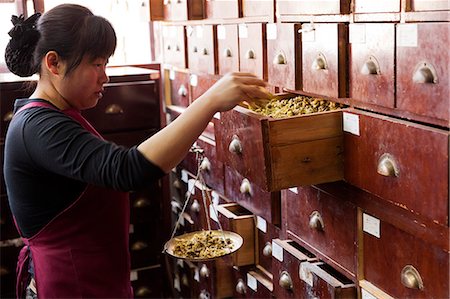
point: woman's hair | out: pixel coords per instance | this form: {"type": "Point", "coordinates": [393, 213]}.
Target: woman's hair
{"type": "Point", "coordinates": [70, 30]}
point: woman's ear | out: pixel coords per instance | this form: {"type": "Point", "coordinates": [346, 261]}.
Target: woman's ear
{"type": "Point", "coordinates": [53, 63]}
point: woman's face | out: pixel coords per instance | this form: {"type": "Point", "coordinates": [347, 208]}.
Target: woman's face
{"type": "Point", "coordinates": [83, 87]}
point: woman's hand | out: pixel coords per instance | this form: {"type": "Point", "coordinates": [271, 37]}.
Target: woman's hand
{"type": "Point", "coordinates": [234, 88]}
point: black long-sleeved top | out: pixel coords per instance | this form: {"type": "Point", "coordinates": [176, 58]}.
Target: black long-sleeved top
{"type": "Point", "coordinates": [50, 158]}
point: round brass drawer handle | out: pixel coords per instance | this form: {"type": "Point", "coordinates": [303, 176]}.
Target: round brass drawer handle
{"type": "Point", "coordinates": [182, 91]}
{"type": "Point", "coordinates": [240, 287]}
{"type": "Point", "coordinates": [425, 73]}
{"type": "Point", "coordinates": [246, 187]}
{"type": "Point", "coordinates": [285, 281]}
{"type": "Point", "coordinates": [227, 53]}
{"type": "Point", "coordinates": [371, 67]}
{"type": "Point", "coordinates": [113, 109]}
{"type": "Point", "coordinates": [8, 116]}
{"type": "Point", "coordinates": [316, 221]}
{"type": "Point", "coordinates": [411, 278]}
{"type": "Point", "coordinates": [195, 206]}
{"type": "Point", "coordinates": [205, 165]}
{"type": "Point", "coordinates": [139, 245]}
{"type": "Point", "coordinates": [387, 166]}
{"type": "Point", "coordinates": [235, 146]}
{"type": "Point", "coordinates": [267, 250]}
{"type": "Point", "coordinates": [320, 63]}
{"type": "Point", "coordinates": [280, 58]}
{"type": "Point", "coordinates": [204, 271]}
{"type": "Point", "coordinates": [250, 54]}
{"type": "Point", "coordinates": [141, 203]}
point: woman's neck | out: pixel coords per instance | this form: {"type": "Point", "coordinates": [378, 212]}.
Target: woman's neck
{"type": "Point", "coordinates": [47, 92]}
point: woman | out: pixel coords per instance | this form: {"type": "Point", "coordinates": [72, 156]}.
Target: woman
{"type": "Point", "coordinates": [65, 183]}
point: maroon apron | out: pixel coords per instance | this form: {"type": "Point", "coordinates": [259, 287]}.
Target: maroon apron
{"type": "Point", "coordinates": [83, 251]}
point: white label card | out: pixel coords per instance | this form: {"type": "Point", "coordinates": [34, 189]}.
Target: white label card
{"type": "Point", "coordinates": [221, 32]}
{"type": "Point", "coordinates": [184, 176]}
{"type": "Point", "coordinates": [308, 33]}
{"type": "Point", "coordinates": [197, 275]}
{"type": "Point", "coordinates": [252, 282]}
{"type": "Point", "coordinates": [271, 31]}
{"type": "Point", "coordinates": [215, 198]}
{"type": "Point", "coordinates": [407, 35]}
{"type": "Point", "coordinates": [351, 123]}
{"type": "Point", "coordinates": [261, 223]}
{"type": "Point", "coordinates": [176, 283]}
{"type": "Point", "coordinates": [191, 186]}
{"type": "Point", "coordinates": [294, 190]}
{"type": "Point", "coordinates": [243, 31]}
{"type": "Point", "coordinates": [366, 295]}
{"type": "Point", "coordinates": [277, 251]}
{"type": "Point", "coordinates": [180, 263]}
{"type": "Point", "coordinates": [199, 30]}
{"type": "Point", "coordinates": [217, 115]}
{"type": "Point", "coordinates": [172, 75]}
{"type": "Point", "coordinates": [193, 80]}
{"type": "Point", "coordinates": [213, 213]}
{"type": "Point", "coordinates": [357, 34]}
{"type": "Point", "coordinates": [133, 276]}
{"type": "Point", "coordinates": [371, 225]}
{"type": "Point", "coordinates": [305, 273]}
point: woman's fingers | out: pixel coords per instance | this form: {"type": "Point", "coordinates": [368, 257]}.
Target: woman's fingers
{"type": "Point", "coordinates": [252, 93]}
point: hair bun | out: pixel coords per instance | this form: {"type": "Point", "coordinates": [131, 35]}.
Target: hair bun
{"type": "Point", "coordinates": [20, 49]}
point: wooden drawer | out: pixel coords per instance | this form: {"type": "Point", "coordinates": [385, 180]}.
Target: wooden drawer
{"type": "Point", "coordinates": [212, 168]}
{"type": "Point", "coordinates": [179, 91]}
{"type": "Point", "coordinates": [324, 59]}
{"type": "Point", "coordinates": [287, 257]}
{"type": "Point", "coordinates": [427, 5]}
{"type": "Point", "coordinates": [252, 282]}
{"type": "Point", "coordinates": [249, 195]}
{"type": "Point", "coordinates": [148, 283]}
{"type": "Point", "coordinates": [145, 245]}
{"type": "Point", "coordinates": [227, 48]}
{"type": "Point", "coordinates": [266, 232]}
{"type": "Point", "coordinates": [423, 71]}
{"type": "Point", "coordinates": [284, 52]}
{"type": "Point", "coordinates": [325, 224]}
{"type": "Point", "coordinates": [383, 160]}
{"type": "Point", "coordinates": [264, 149]}
{"type": "Point", "coordinates": [308, 7]}
{"type": "Point", "coordinates": [129, 139]}
{"type": "Point", "coordinates": [202, 45]}
{"type": "Point", "coordinates": [368, 6]}
{"type": "Point", "coordinates": [407, 256]}
{"type": "Point", "coordinates": [372, 60]}
{"type": "Point", "coordinates": [182, 10]}
{"type": "Point", "coordinates": [201, 83]}
{"type": "Point", "coordinates": [145, 206]}
{"type": "Point", "coordinates": [258, 8]}
{"type": "Point", "coordinates": [216, 278]}
{"type": "Point", "coordinates": [235, 218]}
{"type": "Point", "coordinates": [126, 106]}
{"type": "Point", "coordinates": [252, 49]}
{"type": "Point", "coordinates": [223, 9]}
{"type": "Point", "coordinates": [174, 45]}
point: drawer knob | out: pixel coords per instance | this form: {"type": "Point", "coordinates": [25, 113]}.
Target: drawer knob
{"type": "Point", "coordinates": [425, 73]}
{"type": "Point", "coordinates": [177, 48]}
{"type": "Point", "coordinates": [240, 287]}
{"type": "Point", "coordinates": [246, 187]}
{"type": "Point", "coordinates": [227, 53]}
{"type": "Point", "coordinates": [267, 250]}
{"type": "Point", "coordinates": [250, 54]}
{"type": "Point", "coordinates": [179, 1]}
{"type": "Point", "coordinates": [4, 271]}
{"type": "Point", "coordinates": [204, 295]}
{"type": "Point", "coordinates": [139, 245]}
{"type": "Point", "coordinates": [320, 63]}
{"type": "Point", "coordinates": [371, 67]}
{"type": "Point", "coordinates": [205, 165]}
{"type": "Point", "coordinates": [204, 271]}
{"type": "Point", "coordinates": [8, 116]}
{"type": "Point", "coordinates": [141, 203]}
{"type": "Point", "coordinates": [166, 2]}
{"type": "Point", "coordinates": [168, 47]}
{"type": "Point", "coordinates": [182, 91]}
{"type": "Point", "coordinates": [195, 206]}
{"type": "Point", "coordinates": [185, 280]}
{"type": "Point", "coordinates": [113, 109]}
{"type": "Point", "coordinates": [205, 51]}
{"type": "Point", "coordinates": [195, 50]}
{"type": "Point", "coordinates": [411, 278]}
{"type": "Point", "coordinates": [143, 292]}
{"type": "Point", "coordinates": [235, 146]}
{"type": "Point", "coordinates": [175, 206]}
{"type": "Point", "coordinates": [387, 166]}
{"type": "Point", "coordinates": [316, 221]}
{"type": "Point", "coordinates": [280, 59]}
{"type": "Point", "coordinates": [285, 281]}
{"type": "Point", "coordinates": [177, 184]}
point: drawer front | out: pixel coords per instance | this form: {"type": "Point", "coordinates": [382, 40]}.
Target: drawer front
{"type": "Point", "coordinates": [147, 283]}
{"type": "Point", "coordinates": [252, 197]}
{"type": "Point", "coordinates": [383, 160]}
{"type": "Point", "coordinates": [126, 106]}
{"type": "Point", "coordinates": [202, 46]}
{"type": "Point", "coordinates": [212, 168]}
{"type": "Point", "coordinates": [324, 59]}
{"type": "Point", "coordinates": [326, 223]}
{"type": "Point", "coordinates": [423, 71]}
{"type": "Point", "coordinates": [223, 9]}
{"type": "Point", "coordinates": [179, 88]}
{"type": "Point", "coordinates": [266, 233]}
{"type": "Point", "coordinates": [145, 245]}
{"type": "Point", "coordinates": [368, 6]}
{"type": "Point", "coordinates": [252, 49]}
{"type": "Point", "coordinates": [174, 45]}
{"type": "Point", "coordinates": [427, 5]}
{"type": "Point", "coordinates": [307, 7]}
{"type": "Point", "coordinates": [407, 256]}
{"type": "Point", "coordinates": [182, 10]}
{"type": "Point", "coordinates": [284, 55]}
{"type": "Point", "coordinates": [201, 83]}
{"type": "Point", "coordinates": [145, 206]}
{"type": "Point", "coordinates": [129, 139]}
{"type": "Point", "coordinates": [216, 278]}
{"type": "Point", "coordinates": [227, 48]}
{"type": "Point", "coordinates": [258, 8]}
{"type": "Point", "coordinates": [9, 93]}
{"type": "Point", "coordinates": [372, 61]}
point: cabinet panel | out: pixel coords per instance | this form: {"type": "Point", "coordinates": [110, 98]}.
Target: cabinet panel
{"type": "Point", "coordinates": [202, 41]}
{"type": "Point", "coordinates": [223, 9]}
{"type": "Point", "coordinates": [368, 6]}
{"type": "Point", "coordinates": [147, 283]}
{"type": "Point", "coordinates": [258, 8]}
{"type": "Point", "coordinates": [174, 45]}
{"type": "Point", "coordinates": [179, 89]}
{"type": "Point", "coordinates": [308, 7]}
{"type": "Point", "coordinates": [266, 232]}
{"type": "Point", "coordinates": [182, 10]}
{"type": "Point", "coordinates": [227, 48]}
{"type": "Point", "coordinates": [429, 5]}
{"type": "Point", "coordinates": [252, 49]}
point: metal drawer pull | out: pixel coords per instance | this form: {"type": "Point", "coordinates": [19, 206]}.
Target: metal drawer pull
{"type": "Point", "coordinates": [143, 292]}
{"type": "Point", "coordinates": [179, 1]}
{"type": "Point", "coordinates": [177, 48]}
{"type": "Point", "coordinates": [139, 245]}
{"type": "Point", "coordinates": [177, 184]}
{"type": "Point", "coordinates": [285, 281]}
{"type": "Point", "coordinates": [167, 2]}
{"type": "Point", "coordinates": [141, 203]}
{"type": "Point", "coordinates": [205, 51]}
{"type": "Point", "coordinates": [185, 280]}
{"type": "Point", "coordinates": [371, 67]}
{"type": "Point", "coordinates": [205, 165]}
{"type": "Point", "coordinates": [204, 295]}
{"type": "Point", "coordinates": [250, 54]}
{"type": "Point", "coordinates": [320, 63]}
{"type": "Point", "coordinates": [168, 47]}
{"type": "Point", "coordinates": [195, 50]}
{"type": "Point", "coordinates": [204, 271]}
{"type": "Point", "coordinates": [387, 166]}
{"type": "Point", "coordinates": [279, 59]}
{"type": "Point", "coordinates": [4, 271]}
{"type": "Point", "coordinates": [267, 251]}
{"type": "Point", "coordinates": [195, 206]}
{"type": "Point", "coordinates": [316, 221]}
{"type": "Point", "coordinates": [246, 187]}
{"type": "Point", "coordinates": [240, 287]}
{"type": "Point", "coordinates": [411, 278]}
{"type": "Point", "coordinates": [227, 52]}
{"type": "Point", "coordinates": [113, 109]}
{"type": "Point", "coordinates": [425, 73]}
{"type": "Point", "coordinates": [8, 116]}
{"type": "Point", "coordinates": [235, 146]}
{"type": "Point", "coordinates": [182, 91]}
